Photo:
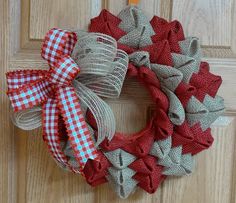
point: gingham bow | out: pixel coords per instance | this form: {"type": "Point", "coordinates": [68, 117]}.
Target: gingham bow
{"type": "Point", "coordinates": [53, 89]}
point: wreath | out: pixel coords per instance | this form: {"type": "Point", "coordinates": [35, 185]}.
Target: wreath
{"type": "Point", "coordinates": [79, 127]}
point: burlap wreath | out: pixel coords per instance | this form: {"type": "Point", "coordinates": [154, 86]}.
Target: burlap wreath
{"type": "Point", "coordinates": [183, 91]}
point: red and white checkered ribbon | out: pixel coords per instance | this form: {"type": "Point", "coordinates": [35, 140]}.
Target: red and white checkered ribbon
{"type": "Point", "coordinates": [54, 91]}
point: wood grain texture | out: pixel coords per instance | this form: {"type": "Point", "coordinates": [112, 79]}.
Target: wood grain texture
{"type": "Point", "coordinates": [233, 183]}
{"type": "Point", "coordinates": [162, 8]}
{"type": "Point", "coordinates": [132, 107]}
{"type": "Point", "coordinates": [233, 32]}
{"type": "Point", "coordinates": [226, 68]}
{"type": "Point", "coordinates": [115, 6]}
{"type": "Point", "coordinates": [7, 161]}
{"type": "Point", "coordinates": [218, 52]}
{"type": "Point", "coordinates": [210, 20]}
{"type": "Point", "coordinates": [72, 14]}
{"type": "Point", "coordinates": [151, 8]}
{"type": "Point", "coordinates": [23, 19]}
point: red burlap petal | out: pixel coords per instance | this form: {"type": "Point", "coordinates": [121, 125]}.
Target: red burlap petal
{"type": "Point", "coordinates": [95, 172]}
{"type": "Point", "coordinates": [184, 92]}
{"type": "Point", "coordinates": [106, 23]}
{"type": "Point", "coordinates": [149, 174]}
{"type": "Point", "coordinates": [159, 53]}
{"type": "Point", "coordinates": [160, 26]}
{"type": "Point", "coordinates": [205, 82]}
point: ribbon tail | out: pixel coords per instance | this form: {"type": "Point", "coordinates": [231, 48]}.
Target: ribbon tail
{"type": "Point", "coordinates": [79, 136]}
{"type": "Point", "coordinates": [51, 134]}
{"type": "Point", "coordinates": [101, 111]}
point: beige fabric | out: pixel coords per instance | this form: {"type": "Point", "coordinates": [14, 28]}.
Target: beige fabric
{"type": "Point", "coordinates": [161, 148]}
{"type": "Point", "coordinates": [28, 119]}
{"type": "Point", "coordinates": [176, 163]}
{"type": "Point", "coordinates": [195, 111]}
{"type": "Point", "coordinates": [136, 24]}
{"type": "Point", "coordinates": [120, 176]}
{"type": "Point", "coordinates": [119, 158]}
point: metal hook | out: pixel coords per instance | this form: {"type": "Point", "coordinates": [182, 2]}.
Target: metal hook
{"type": "Point", "coordinates": [133, 2]}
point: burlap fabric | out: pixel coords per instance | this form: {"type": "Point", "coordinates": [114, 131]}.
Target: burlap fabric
{"type": "Point", "coordinates": [160, 57]}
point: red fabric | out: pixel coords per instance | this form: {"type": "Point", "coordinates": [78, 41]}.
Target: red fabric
{"type": "Point", "coordinates": [107, 23]}
{"type": "Point", "coordinates": [159, 53]}
{"type": "Point", "coordinates": [205, 82]}
{"type": "Point", "coordinates": [95, 172]}
{"type": "Point", "coordinates": [173, 32]}
{"type": "Point", "coordinates": [149, 174]}
{"type": "Point", "coordinates": [184, 92]}
{"type": "Point", "coordinates": [193, 139]}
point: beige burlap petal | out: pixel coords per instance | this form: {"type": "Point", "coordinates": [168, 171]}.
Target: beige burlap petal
{"type": "Point", "coordinates": [176, 111]}
{"type": "Point", "coordinates": [169, 77]}
{"type": "Point", "coordinates": [140, 37]}
{"type": "Point", "coordinates": [140, 58]}
{"type": "Point", "coordinates": [186, 65]}
{"type": "Point", "coordinates": [132, 17]}
{"type": "Point", "coordinates": [215, 107]}
{"type": "Point", "coordinates": [137, 26]}
{"type": "Point", "coordinates": [195, 111]}
{"type": "Point", "coordinates": [119, 158]}
{"type": "Point", "coordinates": [125, 189]}
{"type": "Point", "coordinates": [161, 148]}
{"type": "Point", "coordinates": [191, 47]}
{"type": "Point", "coordinates": [176, 163]}
{"type": "Point", "coordinates": [120, 175]}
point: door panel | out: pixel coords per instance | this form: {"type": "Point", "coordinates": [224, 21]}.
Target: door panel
{"type": "Point", "coordinates": [65, 14]}
{"type": "Point", "coordinates": [28, 173]}
{"type": "Point", "coordinates": [210, 20]}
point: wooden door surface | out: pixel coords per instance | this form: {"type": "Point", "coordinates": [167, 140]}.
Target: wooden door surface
{"type": "Point", "coordinates": [29, 174]}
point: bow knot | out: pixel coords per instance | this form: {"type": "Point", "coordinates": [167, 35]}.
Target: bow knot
{"type": "Point", "coordinates": [62, 96]}
{"type": "Point", "coordinates": [63, 72]}
{"type": "Point", "coordinates": [53, 89]}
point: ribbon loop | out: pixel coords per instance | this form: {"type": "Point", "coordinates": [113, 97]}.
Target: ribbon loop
{"type": "Point", "coordinates": [29, 95]}
{"type": "Point", "coordinates": [57, 43]}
